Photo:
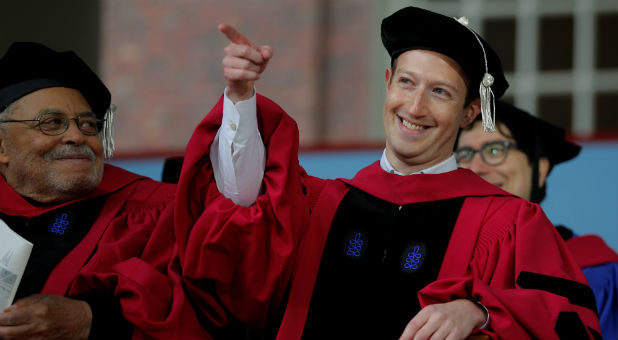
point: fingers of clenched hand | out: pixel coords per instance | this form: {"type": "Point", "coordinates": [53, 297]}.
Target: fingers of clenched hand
{"type": "Point", "coordinates": [412, 328]}
{"type": "Point", "coordinates": [244, 52]}
{"type": "Point", "coordinates": [46, 316]}
{"type": "Point", "coordinates": [18, 314]}
{"type": "Point", "coordinates": [243, 63]}
{"type": "Point", "coordinates": [236, 37]}
{"type": "Point", "coordinates": [451, 320]}
{"type": "Point", "coordinates": [242, 48]}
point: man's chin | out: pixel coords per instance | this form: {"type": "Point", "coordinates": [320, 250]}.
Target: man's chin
{"type": "Point", "coordinates": [75, 185]}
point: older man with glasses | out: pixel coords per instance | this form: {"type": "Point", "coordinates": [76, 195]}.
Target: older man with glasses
{"type": "Point", "coordinates": [88, 221]}
{"type": "Point", "coordinates": [518, 158]}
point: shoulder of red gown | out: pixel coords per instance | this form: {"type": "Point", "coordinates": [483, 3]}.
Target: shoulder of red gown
{"type": "Point", "coordinates": [421, 187]}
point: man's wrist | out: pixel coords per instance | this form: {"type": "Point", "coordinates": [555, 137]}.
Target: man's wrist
{"type": "Point", "coordinates": [236, 95]}
{"type": "Point", "coordinates": [485, 311]}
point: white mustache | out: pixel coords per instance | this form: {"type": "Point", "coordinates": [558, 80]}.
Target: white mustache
{"type": "Point", "coordinates": [70, 150]}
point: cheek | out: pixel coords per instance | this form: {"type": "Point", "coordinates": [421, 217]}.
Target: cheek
{"type": "Point", "coordinates": [96, 145]}
{"type": "Point", "coordinates": [27, 148]}
{"type": "Point", "coordinates": [520, 177]}
{"type": "Point", "coordinates": [394, 98]}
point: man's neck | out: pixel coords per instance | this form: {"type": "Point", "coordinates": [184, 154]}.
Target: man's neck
{"type": "Point", "coordinates": [439, 166]}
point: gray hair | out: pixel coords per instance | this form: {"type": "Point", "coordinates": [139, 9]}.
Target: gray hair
{"type": "Point", "coordinates": [6, 114]}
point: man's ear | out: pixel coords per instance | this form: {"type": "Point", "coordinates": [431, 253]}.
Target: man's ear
{"type": "Point", "coordinates": [470, 112]}
{"type": "Point", "coordinates": [543, 170]}
{"type": "Point", "coordinates": [4, 156]}
{"type": "Point", "coordinates": [387, 77]}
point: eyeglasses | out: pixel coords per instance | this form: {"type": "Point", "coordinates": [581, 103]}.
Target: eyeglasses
{"type": "Point", "coordinates": [492, 153]}
{"type": "Point", "coordinates": [55, 123]}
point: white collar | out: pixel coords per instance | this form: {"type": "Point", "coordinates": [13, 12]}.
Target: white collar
{"type": "Point", "coordinates": [446, 165]}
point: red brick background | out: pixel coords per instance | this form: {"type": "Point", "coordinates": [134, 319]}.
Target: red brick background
{"type": "Point", "coordinates": [162, 63]}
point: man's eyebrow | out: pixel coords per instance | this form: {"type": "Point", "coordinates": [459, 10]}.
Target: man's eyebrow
{"type": "Point", "coordinates": [87, 112]}
{"type": "Point", "coordinates": [438, 82]}
{"type": "Point", "coordinates": [48, 110]}
{"type": "Point", "coordinates": [55, 110]}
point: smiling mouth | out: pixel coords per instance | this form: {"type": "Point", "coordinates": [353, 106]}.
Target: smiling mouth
{"type": "Point", "coordinates": [411, 126]}
{"type": "Point", "coordinates": [74, 157]}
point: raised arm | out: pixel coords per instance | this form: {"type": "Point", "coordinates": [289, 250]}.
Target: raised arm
{"type": "Point", "coordinates": [237, 152]}
{"type": "Point", "coordinates": [243, 256]}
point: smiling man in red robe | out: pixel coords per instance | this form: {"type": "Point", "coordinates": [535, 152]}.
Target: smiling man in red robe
{"type": "Point", "coordinates": [411, 247]}
{"type": "Point", "coordinates": [88, 220]}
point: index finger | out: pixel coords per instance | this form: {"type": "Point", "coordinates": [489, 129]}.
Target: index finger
{"type": "Point", "coordinates": [234, 36]}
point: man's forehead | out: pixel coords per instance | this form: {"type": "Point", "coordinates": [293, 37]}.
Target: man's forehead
{"type": "Point", "coordinates": [57, 99]}
{"type": "Point", "coordinates": [476, 135]}
{"type": "Point", "coordinates": [449, 62]}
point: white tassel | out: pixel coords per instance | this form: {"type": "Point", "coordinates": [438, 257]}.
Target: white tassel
{"type": "Point", "coordinates": [488, 106]}
{"type": "Point", "coordinates": [107, 133]}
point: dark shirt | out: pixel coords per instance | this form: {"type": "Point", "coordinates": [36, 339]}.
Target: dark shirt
{"type": "Point", "coordinates": [53, 235]}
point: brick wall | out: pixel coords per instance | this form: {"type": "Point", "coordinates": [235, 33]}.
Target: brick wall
{"type": "Point", "coordinates": [162, 63]}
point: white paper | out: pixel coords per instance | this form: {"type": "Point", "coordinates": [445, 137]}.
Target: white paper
{"type": "Point", "coordinates": [14, 254]}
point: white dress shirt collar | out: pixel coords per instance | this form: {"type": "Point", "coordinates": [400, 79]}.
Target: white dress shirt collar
{"type": "Point", "coordinates": [447, 165]}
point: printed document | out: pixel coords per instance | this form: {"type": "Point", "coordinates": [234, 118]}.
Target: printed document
{"type": "Point", "coordinates": [14, 254]}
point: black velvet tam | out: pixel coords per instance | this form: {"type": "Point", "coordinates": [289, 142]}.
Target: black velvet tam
{"type": "Point", "coordinates": [27, 67]}
{"type": "Point", "coordinates": [415, 28]}
{"type": "Point", "coordinates": [528, 130]}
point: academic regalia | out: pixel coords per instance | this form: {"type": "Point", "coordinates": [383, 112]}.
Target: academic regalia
{"type": "Point", "coordinates": [113, 248]}
{"type": "Point", "coordinates": [237, 261]}
{"type": "Point", "coordinates": [125, 226]}
{"type": "Point", "coordinates": [540, 139]}
{"type": "Point", "coordinates": [264, 259]}
{"type": "Point", "coordinates": [600, 265]}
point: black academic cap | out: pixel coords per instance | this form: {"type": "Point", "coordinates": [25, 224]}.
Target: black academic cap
{"type": "Point", "coordinates": [530, 131]}
{"type": "Point", "coordinates": [416, 28]}
{"type": "Point", "coordinates": [27, 67]}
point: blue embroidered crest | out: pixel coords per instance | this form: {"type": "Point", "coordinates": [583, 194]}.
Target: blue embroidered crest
{"type": "Point", "coordinates": [355, 245]}
{"type": "Point", "coordinates": [61, 223]}
{"type": "Point", "coordinates": [413, 257]}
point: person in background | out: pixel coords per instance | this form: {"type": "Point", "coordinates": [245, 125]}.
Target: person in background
{"type": "Point", "coordinates": [411, 247]}
{"type": "Point", "coordinates": [518, 159]}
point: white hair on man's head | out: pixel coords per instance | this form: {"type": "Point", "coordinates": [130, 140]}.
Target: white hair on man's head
{"type": "Point", "coordinates": [6, 114]}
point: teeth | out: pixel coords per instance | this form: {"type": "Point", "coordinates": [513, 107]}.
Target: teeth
{"type": "Point", "coordinates": [411, 126]}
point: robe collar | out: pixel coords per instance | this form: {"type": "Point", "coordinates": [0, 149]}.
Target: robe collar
{"type": "Point", "coordinates": [446, 165]}
{"type": "Point", "coordinates": [114, 179]}
{"type": "Point", "coordinates": [422, 187]}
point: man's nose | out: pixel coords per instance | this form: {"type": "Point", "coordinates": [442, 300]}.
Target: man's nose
{"type": "Point", "coordinates": [417, 106]}
{"type": "Point", "coordinates": [73, 134]}
{"type": "Point", "coordinates": [477, 164]}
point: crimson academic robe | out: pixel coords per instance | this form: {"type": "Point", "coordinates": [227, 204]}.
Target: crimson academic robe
{"type": "Point", "coordinates": [600, 265]}
{"type": "Point", "coordinates": [116, 243]}
{"type": "Point", "coordinates": [237, 261]}
{"type": "Point", "coordinates": [503, 251]}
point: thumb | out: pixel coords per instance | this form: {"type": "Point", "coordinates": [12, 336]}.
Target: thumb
{"type": "Point", "coordinates": [267, 52]}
